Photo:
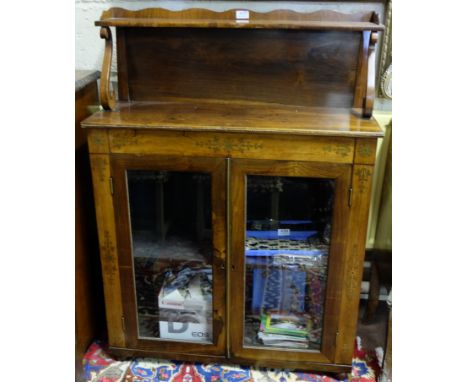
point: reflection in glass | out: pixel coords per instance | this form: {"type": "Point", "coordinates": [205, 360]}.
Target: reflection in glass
{"type": "Point", "coordinates": [170, 215]}
{"type": "Point", "coordinates": [286, 254]}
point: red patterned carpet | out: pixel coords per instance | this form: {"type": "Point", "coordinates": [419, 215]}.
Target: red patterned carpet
{"type": "Point", "coordinates": [99, 367]}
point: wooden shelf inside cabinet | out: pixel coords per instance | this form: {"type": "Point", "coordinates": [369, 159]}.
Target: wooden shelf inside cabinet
{"type": "Point", "coordinates": [238, 117]}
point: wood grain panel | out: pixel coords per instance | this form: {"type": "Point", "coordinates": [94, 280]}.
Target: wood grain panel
{"type": "Point", "coordinates": [122, 71]}
{"type": "Point", "coordinates": [353, 261]}
{"type": "Point", "coordinates": [100, 168]}
{"type": "Point", "coordinates": [313, 68]}
{"type": "Point", "coordinates": [321, 149]}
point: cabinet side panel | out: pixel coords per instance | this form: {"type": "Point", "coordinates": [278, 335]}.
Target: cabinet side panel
{"type": "Point", "coordinates": [107, 244]}
{"type": "Point", "coordinates": [314, 68]}
{"type": "Point", "coordinates": [353, 262]}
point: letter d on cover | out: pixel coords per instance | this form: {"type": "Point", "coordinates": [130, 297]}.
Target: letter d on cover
{"type": "Point", "coordinates": [172, 329]}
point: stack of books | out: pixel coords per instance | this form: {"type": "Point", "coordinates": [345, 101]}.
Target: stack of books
{"type": "Point", "coordinates": [285, 330]}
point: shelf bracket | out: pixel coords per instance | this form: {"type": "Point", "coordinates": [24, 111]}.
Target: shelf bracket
{"type": "Point", "coordinates": [107, 96]}
{"type": "Point", "coordinates": [364, 92]}
{"type": "Point", "coordinates": [370, 92]}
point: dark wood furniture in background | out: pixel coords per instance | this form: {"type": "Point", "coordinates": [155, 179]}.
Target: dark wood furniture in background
{"type": "Point", "coordinates": [380, 276]}
{"type": "Point", "coordinates": [89, 310]}
{"type": "Point", "coordinates": [234, 96]}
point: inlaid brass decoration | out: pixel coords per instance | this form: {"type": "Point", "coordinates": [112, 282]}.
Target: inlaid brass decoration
{"type": "Point", "coordinates": [364, 150]}
{"type": "Point", "coordinates": [339, 149]}
{"type": "Point", "coordinates": [353, 281]}
{"type": "Point", "coordinates": [97, 139]}
{"type": "Point", "coordinates": [107, 253]}
{"type": "Point", "coordinates": [363, 177]}
{"type": "Point", "coordinates": [217, 145]}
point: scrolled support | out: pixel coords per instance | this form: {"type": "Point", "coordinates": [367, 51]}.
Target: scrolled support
{"type": "Point", "coordinates": [107, 95]}
{"type": "Point", "coordinates": [370, 93]}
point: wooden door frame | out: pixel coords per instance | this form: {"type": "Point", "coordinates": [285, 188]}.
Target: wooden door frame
{"type": "Point", "coordinates": [216, 167]}
{"type": "Point", "coordinates": [341, 173]}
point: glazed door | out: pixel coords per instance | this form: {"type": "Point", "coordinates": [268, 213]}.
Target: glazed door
{"type": "Point", "coordinates": [287, 234]}
{"type": "Point", "coordinates": [171, 223]}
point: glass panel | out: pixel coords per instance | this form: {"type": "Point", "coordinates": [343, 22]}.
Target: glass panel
{"type": "Point", "coordinates": [170, 215]}
{"type": "Point", "coordinates": [286, 255]}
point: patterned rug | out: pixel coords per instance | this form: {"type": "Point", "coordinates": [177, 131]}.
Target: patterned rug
{"type": "Point", "coordinates": [99, 367]}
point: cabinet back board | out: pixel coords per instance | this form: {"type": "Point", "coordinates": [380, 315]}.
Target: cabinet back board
{"type": "Point", "coordinates": [318, 69]}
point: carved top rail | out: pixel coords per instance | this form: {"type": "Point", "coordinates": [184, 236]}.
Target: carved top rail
{"type": "Point", "coordinates": [238, 18]}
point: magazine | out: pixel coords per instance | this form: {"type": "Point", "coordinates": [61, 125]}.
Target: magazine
{"type": "Point", "coordinates": [287, 324]}
{"type": "Point", "coordinates": [285, 330]}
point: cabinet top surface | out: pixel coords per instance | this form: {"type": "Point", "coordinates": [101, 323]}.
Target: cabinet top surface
{"type": "Point", "coordinates": [239, 18]}
{"type": "Point", "coordinates": [235, 117]}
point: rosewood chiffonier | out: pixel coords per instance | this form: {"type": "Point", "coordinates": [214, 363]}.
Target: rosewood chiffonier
{"type": "Point", "coordinates": [232, 177]}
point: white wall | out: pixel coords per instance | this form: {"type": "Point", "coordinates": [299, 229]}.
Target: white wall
{"type": "Point", "coordinates": [89, 47]}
